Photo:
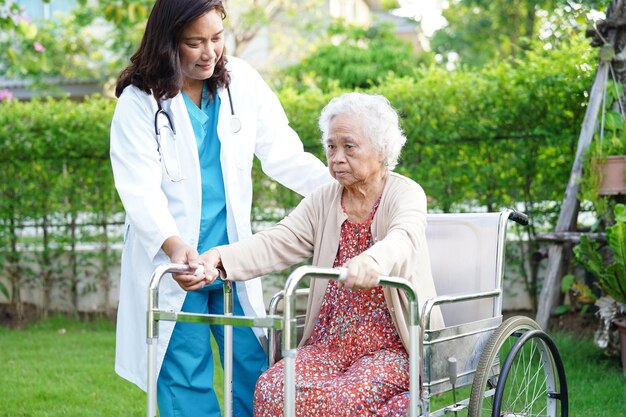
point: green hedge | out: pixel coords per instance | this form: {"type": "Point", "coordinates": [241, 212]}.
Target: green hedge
{"type": "Point", "coordinates": [493, 137]}
{"type": "Point", "coordinates": [57, 191]}
{"type": "Point", "coordinates": [501, 136]}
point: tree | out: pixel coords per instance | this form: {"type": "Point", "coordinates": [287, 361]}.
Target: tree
{"type": "Point", "coordinates": [10, 15]}
{"type": "Point", "coordinates": [248, 18]}
{"type": "Point", "coordinates": [610, 34]}
{"type": "Point", "coordinates": [66, 47]}
{"type": "Point", "coordinates": [481, 31]}
{"type": "Point", "coordinates": [51, 50]}
{"type": "Point", "coordinates": [354, 57]}
{"type": "Point", "coordinates": [96, 39]}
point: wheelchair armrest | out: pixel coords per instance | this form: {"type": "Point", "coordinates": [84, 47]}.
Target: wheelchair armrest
{"type": "Point", "coordinates": [449, 299]}
{"type": "Point", "coordinates": [278, 297]}
{"type": "Point", "coordinates": [274, 335]}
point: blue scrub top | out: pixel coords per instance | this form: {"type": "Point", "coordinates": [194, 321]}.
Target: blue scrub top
{"type": "Point", "coordinates": [213, 215]}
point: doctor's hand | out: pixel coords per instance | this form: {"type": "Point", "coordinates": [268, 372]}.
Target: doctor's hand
{"type": "Point", "coordinates": [363, 272]}
{"type": "Point", "coordinates": [181, 253]}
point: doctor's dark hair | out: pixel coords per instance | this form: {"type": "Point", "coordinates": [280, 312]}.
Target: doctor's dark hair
{"type": "Point", "coordinates": [377, 119]}
{"type": "Point", "coordinates": [155, 67]}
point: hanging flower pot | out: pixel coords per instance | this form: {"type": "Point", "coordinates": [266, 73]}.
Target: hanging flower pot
{"type": "Point", "coordinates": [613, 175]}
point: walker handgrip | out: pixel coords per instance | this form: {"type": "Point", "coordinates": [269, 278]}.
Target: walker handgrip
{"type": "Point", "coordinates": [519, 217]}
{"type": "Point", "coordinates": [343, 274]}
{"type": "Point", "coordinates": [200, 270]}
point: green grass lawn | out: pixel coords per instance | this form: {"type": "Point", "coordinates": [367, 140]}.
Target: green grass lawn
{"type": "Point", "coordinates": [596, 385]}
{"type": "Point", "coordinates": [49, 372]}
{"type": "Point", "coordinates": [64, 368]}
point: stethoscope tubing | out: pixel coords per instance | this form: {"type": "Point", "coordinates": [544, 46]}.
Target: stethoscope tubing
{"type": "Point", "coordinates": [235, 127]}
{"type": "Point", "coordinates": [235, 123]}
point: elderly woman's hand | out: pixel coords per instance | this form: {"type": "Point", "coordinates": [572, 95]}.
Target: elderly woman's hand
{"type": "Point", "coordinates": [363, 273]}
{"type": "Point", "coordinates": [212, 261]}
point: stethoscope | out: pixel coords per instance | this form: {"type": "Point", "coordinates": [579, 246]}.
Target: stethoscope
{"type": "Point", "coordinates": [166, 138]}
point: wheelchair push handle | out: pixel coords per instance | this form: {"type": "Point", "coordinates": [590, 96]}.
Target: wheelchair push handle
{"type": "Point", "coordinates": [519, 217]}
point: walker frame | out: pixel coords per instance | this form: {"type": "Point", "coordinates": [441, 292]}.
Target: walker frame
{"type": "Point", "coordinates": [477, 349]}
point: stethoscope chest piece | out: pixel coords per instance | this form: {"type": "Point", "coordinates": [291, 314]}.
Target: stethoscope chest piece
{"type": "Point", "coordinates": [235, 124]}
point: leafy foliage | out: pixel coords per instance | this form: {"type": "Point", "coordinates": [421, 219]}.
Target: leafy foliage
{"type": "Point", "coordinates": [610, 269]}
{"type": "Point", "coordinates": [355, 57]}
{"type": "Point", "coordinates": [293, 19]}
{"type": "Point", "coordinates": [494, 137]}
{"type": "Point", "coordinates": [608, 265]}
{"type": "Point", "coordinates": [498, 136]}
{"type": "Point", "coordinates": [59, 185]}
{"type": "Point", "coordinates": [479, 32]}
{"type": "Point", "coordinates": [44, 51]}
{"type": "Point", "coordinates": [613, 122]}
{"type": "Point", "coordinates": [615, 282]}
{"type": "Point", "coordinates": [96, 39]}
{"type": "Point", "coordinates": [609, 140]}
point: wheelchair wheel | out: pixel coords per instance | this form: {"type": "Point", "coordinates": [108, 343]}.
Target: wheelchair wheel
{"type": "Point", "coordinates": [529, 382]}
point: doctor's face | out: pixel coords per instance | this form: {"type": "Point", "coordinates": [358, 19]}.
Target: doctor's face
{"type": "Point", "coordinates": [201, 47]}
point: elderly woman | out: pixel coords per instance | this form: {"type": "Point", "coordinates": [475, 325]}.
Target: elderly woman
{"type": "Point", "coordinates": [353, 358]}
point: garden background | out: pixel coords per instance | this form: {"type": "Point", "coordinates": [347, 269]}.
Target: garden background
{"type": "Point", "coordinates": [492, 110]}
{"type": "Point", "coordinates": [484, 134]}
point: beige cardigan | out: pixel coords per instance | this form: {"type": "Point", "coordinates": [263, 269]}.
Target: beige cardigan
{"type": "Point", "coordinates": [312, 229]}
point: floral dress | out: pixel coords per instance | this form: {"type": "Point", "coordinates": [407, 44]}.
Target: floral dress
{"type": "Point", "coordinates": [354, 363]}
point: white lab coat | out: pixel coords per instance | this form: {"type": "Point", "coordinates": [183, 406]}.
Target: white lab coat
{"type": "Point", "coordinates": [157, 208]}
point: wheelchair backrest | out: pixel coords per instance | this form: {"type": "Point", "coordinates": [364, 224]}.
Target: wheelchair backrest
{"type": "Point", "coordinates": [467, 254]}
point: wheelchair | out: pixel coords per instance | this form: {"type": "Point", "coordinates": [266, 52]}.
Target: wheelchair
{"type": "Point", "coordinates": [510, 368]}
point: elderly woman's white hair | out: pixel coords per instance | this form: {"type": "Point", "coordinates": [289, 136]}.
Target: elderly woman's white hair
{"type": "Point", "coordinates": [378, 120]}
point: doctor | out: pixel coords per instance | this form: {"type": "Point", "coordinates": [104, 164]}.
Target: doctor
{"type": "Point", "coordinates": [188, 123]}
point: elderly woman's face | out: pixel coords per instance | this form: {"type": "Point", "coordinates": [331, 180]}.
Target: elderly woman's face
{"type": "Point", "coordinates": [352, 158]}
